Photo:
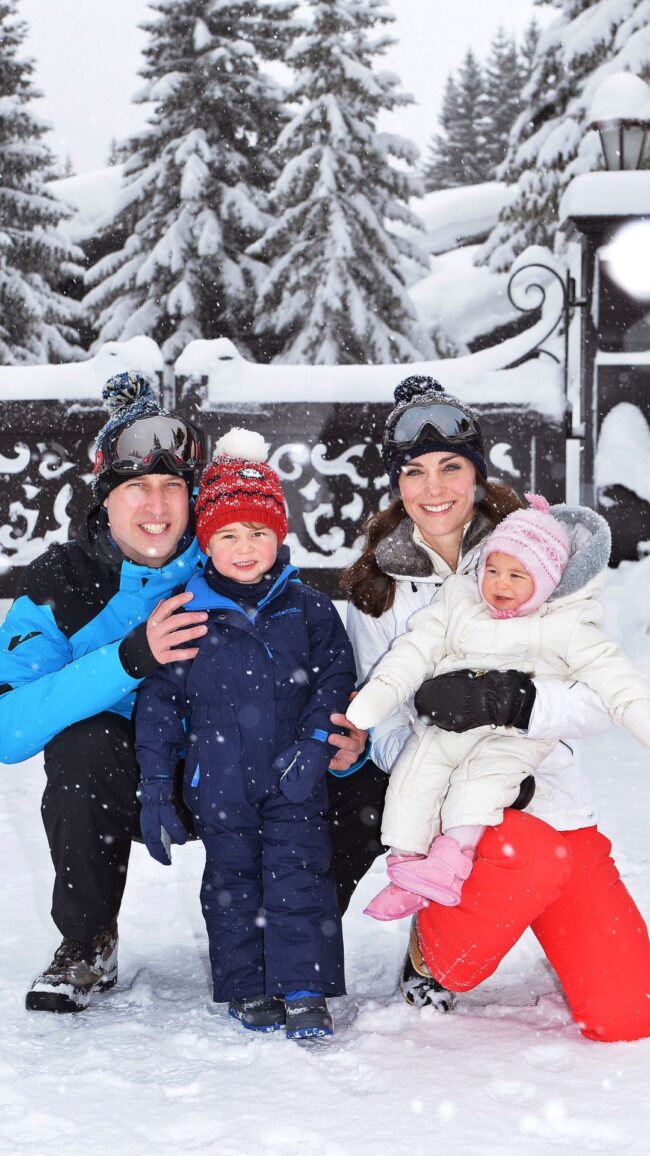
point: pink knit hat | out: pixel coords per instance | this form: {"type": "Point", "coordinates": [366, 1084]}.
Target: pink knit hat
{"type": "Point", "coordinates": [537, 540]}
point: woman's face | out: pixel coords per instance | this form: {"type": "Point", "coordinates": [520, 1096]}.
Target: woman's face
{"type": "Point", "coordinates": [438, 493]}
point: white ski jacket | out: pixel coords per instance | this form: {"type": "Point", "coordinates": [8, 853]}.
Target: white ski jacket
{"type": "Point", "coordinates": [562, 711]}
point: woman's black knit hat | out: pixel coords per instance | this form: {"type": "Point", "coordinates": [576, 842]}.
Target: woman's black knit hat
{"type": "Point", "coordinates": [420, 392]}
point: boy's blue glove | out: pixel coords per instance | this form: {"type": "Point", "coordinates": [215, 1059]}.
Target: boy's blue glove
{"type": "Point", "coordinates": [159, 820]}
{"type": "Point", "coordinates": [302, 766]}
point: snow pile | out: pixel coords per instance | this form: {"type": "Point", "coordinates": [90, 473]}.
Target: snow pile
{"type": "Point", "coordinates": [623, 453]}
{"type": "Point", "coordinates": [83, 380]}
{"type": "Point", "coordinates": [462, 300]}
{"type": "Point", "coordinates": [456, 217]}
{"type": "Point", "coordinates": [479, 378]}
{"type": "Point", "coordinates": [93, 196]}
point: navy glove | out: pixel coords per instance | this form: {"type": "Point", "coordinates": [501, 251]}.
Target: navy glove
{"type": "Point", "coordinates": [302, 766]}
{"type": "Point", "coordinates": [464, 699]}
{"type": "Point", "coordinates": [159, 820]}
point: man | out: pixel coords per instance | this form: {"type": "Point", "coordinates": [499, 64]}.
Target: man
{"type": "Point", "coordinates": [94, 617]}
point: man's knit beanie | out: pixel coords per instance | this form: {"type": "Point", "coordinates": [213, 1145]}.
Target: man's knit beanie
{"type": "Point", "coordinates": [239, 486]}
{"type": "Point", "coordinates": [128, 396]}
{"type": "Point", "coordinates": [539, 542]}
{"type": "Point", "coordinates": [417, 391]}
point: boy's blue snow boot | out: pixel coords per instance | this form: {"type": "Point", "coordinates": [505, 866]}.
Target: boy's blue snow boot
{"type": "Point", "coordinates": [307, 1015]}
{"type": "Point", "coordinates": [259, 1013]}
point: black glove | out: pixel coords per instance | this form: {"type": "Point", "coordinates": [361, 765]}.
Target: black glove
{"type": "Point", "coordinates": [464, 699]}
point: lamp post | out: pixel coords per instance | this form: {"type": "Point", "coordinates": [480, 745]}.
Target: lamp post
{"type": "Point", "coordinates": [605, 216]}
{"type": "Point", "coordinates": [620, 113]}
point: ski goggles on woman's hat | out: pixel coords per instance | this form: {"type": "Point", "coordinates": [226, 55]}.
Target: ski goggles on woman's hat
{"type": "Point", "coordinates": [135, 448]}
{"type": "Point", "coordinates": [441, 420]}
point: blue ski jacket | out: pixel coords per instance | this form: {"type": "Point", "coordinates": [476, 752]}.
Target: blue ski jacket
{"type": "Point", "coordinates": [62, 657]}
{"type": "Point", "coordinates": [261, 681]}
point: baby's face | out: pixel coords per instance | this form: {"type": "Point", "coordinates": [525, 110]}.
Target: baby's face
{"type": "Point", "coordinates": [506, 582]}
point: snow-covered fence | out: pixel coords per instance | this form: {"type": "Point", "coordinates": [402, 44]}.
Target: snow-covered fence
{"type": "Point", "coordinates": [323, 425]}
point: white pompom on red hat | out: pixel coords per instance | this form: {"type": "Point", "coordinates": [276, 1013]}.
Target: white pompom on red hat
{"type": "Point", "coordinates": [239, 486]}
{"type": "Point", "coordinates": [537, 540]}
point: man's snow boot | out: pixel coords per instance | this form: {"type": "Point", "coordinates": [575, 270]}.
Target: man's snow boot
{"type": "Point", "coordinates": [308, 1016]}
{"type": "Point", "coordinates": [416, 983]}
{"type": "Point", "coordinates": [258, 1013]}
{"type": "Point", "coordinates": [75, 973]}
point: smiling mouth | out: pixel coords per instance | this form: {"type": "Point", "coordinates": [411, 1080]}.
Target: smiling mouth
{"type": "Point", "coordinates": [154, 527]}
{"type": "Point", "coordinates": [438, 509]}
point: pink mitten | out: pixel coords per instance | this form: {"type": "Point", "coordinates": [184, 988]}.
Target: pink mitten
{"type": "Point", "coordinates": [440, 876]}
{"type": "Point", "coordinates": [394, 903]}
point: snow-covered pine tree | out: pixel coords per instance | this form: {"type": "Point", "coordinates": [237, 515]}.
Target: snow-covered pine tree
{"type": "Point", "coordinates": [443, 167]}
{"type": "Point", "coordinates": [194, 183]}
{"type": "Point", "coordinates": [504, 79]}
{"type": "Point", "coordinates": [37, 323]}
{"type": "Point", "coordinates": [461, 153]}
{"type": "Point", "coordinates": [549, 145]}
{"type": "Point", "coordinates": [336, 289]}
{"type": "Point", "coordinates": [527, 52]}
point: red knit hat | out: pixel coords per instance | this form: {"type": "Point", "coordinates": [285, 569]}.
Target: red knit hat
{"type": "Point", "coordinates": [239, 486]}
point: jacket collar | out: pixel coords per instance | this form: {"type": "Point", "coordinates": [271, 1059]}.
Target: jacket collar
{"type": "Point", "coordinates": [206, 598]}
{"type": "Point", "coordinates": [95, 541]}
{"type": "Point", "coordinates": [401, 556]}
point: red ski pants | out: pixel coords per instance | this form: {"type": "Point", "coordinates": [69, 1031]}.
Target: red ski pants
{"type": "Point", "coordinates": [566, 887]}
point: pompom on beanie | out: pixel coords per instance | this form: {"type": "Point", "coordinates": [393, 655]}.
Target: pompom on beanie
{"type": "Point", "coordinates": [413, 391]}
{"type": "Point", "coordinates": [539, 542]}
{"type": "Point", "coordinates": [239, 486]}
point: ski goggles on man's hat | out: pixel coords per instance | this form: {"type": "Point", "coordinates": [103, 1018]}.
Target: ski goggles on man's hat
{"type": "Point", "coordinates": [136, 448]}
{"type": "Point", "coordinates": [442, 421]}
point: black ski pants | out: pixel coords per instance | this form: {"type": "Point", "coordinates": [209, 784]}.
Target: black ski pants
{"type": "Point", "coordinates": [90, 814]}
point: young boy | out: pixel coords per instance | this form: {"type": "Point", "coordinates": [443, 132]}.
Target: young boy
{"type": "Point", "coordinates": [273, 666]}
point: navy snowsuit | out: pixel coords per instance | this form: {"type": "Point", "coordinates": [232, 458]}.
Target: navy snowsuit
{"type": "Point", "coordinates": [262, 680]}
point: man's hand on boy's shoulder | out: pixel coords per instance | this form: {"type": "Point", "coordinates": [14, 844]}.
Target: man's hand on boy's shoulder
{"type": "Point", "coordinates": [169, 628]}
{"type": "Point", "coordinates": [350, 745]}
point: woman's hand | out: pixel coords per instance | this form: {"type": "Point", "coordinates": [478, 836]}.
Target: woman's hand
{"type": "Point", "coordinates": [464, 699]}
{"type": "Point", "coordinates": [351, 745]}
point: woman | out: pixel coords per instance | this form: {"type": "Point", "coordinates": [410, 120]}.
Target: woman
{"type": "Point", "coordinates": [550, 868]}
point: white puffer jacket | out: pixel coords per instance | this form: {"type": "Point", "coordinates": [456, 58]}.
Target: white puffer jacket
{"type": "Point", "coordinates": [562, 711]}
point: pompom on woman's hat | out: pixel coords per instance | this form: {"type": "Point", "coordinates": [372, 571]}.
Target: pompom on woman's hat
{"type": "Point", "coordinates": [426, 419]}
{"type": "Point", "coordinates": [239, 486]}
{"type": "Point", "coordinates": [537, 540]}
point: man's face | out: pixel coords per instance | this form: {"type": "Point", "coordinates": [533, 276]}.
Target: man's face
{"type": "Point", "coordinates": [147, 517]}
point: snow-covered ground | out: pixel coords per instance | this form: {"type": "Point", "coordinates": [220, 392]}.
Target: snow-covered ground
{"type": "Point", "coordinates": [154, 1068]}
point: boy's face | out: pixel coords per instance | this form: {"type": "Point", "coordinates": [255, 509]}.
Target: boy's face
{"type": "Point", "coordinates": [244, 551]}
{"type": "Point", "coordinates": [506, 582]}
